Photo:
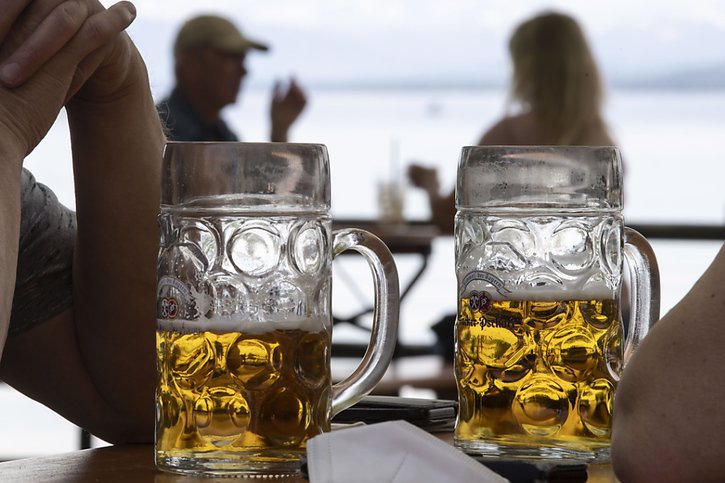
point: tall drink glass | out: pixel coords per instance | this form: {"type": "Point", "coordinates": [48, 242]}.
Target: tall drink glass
{"type": "Point", "coordinates": [243, 313]}
{"type": "Point", "coordinates": [540, 345]}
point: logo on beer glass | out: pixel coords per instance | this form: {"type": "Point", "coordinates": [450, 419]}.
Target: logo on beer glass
{"type": "Point", "coordinates": [169, 308]}
{"type": "Point", "coordinates": [479, 301]}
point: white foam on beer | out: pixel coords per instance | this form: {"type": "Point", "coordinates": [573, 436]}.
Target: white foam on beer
{"type": "Point", "coordinates": [229, 324]}
{"type": "Point", "coordinates": [549, 294]}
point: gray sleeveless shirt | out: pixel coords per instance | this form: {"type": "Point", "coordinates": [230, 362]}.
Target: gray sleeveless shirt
{"type": "Point", "coordinates": [43, 286]}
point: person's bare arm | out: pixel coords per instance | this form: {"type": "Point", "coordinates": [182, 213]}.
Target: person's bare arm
{"type": "Point", "coordinates": [97, 365]}
{"type": "Point", "coordinates": [117, 170]}
{"type": "Point", "coordinates": [442, 207]}
{"type": "Point", "coordinates": [498, 134]}
{"type": "Point", "coordinates": [10, 162]}
{"type": "Point", "coordinates": [668, 415]}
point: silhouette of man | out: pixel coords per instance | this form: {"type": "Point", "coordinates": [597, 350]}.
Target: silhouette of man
{"type": "Point", "coordinates": [210, 54]}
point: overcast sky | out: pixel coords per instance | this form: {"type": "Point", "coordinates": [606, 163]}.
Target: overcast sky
{"type": "Point", "coordinates": [323, 41]}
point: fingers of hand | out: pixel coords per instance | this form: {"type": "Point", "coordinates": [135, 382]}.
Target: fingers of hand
{"type": "Point", "coordinates": [97, 31]}
{"type": "Point", "coordinates": [84, 71]}
{"type": "Point", "coordinates": [420, 175]}
{"type": "Point", "coordinates": [52, 34]}
{"type": "Point", "coordinates": [277, 91]}
{"type": "Point", "coordinates": [295, 92]}
{"type": "Point", "coordinates": [104, 26]}
{"type": "Point", "coordinates": [295, 88]}
{"type": "Point", "coordinates": [10, 9]}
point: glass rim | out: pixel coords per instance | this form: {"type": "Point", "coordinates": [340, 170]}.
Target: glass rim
{"type": "Point", "coordinates": [539, 178]}
{"type": "Point", "coordinates": [245, 176]}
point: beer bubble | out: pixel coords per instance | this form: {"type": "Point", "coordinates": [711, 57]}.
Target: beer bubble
{"type": "Point", "coordinates": [183, 261]}
{"type": "Point", "coordinates": [611, 248]}
{"type": "Point", "coordinates": [546, 314]}
{"type": "Point", "coordinates": [221, 415]}
{"type": "Point", "coordinates": [469, 236]}
{"type": "Point", "coordinates": [284, 418]}
{"type": "Point", "coordinates": [239, 411]}
{"type": "Point", "coordinates": [466, 404]}
{"type": "Point", "coordinates": [595, 406]}
{"type": "Point", "coordinates": [254, 364]}
{"type": "Point", "coordinates": [472, 375]}
{"type": "Point", "coordinates": [516, 371]}
{"type": "Point", "coordinates": [463, 368]}
{"type": "Point", "coordinates": [613, 352]}
{"type": "Point", "coordinates": [203, 237]}
{"type": "Point", "coordinates": [308, 248]}
{"type": "Point", "coordinates": [502, 256]}
{"type": "Point", "coordinates": [500, 348]}
{"type": "Point", "coordinates": [254, 250]}
{"type": "Point", "coordinates": [516, 234]}
{"type": "Point", "coordinates": [203, 410]}
{"type": "Point", "coordinates": [541, 405]}
{"type": "Point", "coordinates": [167, 407]}
{"type": "Point", "coordinates": [227, 295]}
{"type": "Point", "coordinates": [599, 313]}
{"type": "Point", "coordinates": [191, 361]}
{"type": "Point", "coordinates": [571, 248]}
{"type": "Point", "coordinates": [282, 300]}
{"type": "Point", "coordinates": [320, 411]}
{"type": "Point", "coordinates": [572, 353]}
{"type": "Point", "coordinates": [312, 360]}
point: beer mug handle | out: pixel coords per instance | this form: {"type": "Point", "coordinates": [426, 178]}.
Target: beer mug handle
{"type": "Point", "coordinates": [385, 316]}
{"type": "Point", "coordinates": [644, 291]}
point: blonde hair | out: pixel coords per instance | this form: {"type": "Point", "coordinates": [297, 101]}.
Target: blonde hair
{"type": "Point", "coordinates": [556, 78]}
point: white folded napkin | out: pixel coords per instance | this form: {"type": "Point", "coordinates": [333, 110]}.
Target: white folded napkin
{"type": "Point", "coordinates": [390, 452]}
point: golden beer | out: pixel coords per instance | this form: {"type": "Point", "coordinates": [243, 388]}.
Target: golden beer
{"type": "Point", "coordinates": [230, 394]}
{"type": "Point", "coordinates": [536, 373]}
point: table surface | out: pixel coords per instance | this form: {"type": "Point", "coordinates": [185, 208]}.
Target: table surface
{"type": "Point", "coordinates": [135, 463]}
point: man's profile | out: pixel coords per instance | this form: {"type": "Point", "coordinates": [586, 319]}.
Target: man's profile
{"type": "Point", "coordinates": [209, 65]}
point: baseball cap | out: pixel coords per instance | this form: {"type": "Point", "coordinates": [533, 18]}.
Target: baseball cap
{"type": "Point", "coordinates": [216, 32]}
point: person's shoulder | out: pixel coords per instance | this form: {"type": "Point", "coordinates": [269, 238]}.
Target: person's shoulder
{"type": "Point", "coordinates": [513, 129]}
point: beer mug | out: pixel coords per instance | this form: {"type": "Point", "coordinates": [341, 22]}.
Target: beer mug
{"type": "Point", "coordinates": [243, 308]}
{"type": "Point", "coordinates": [539, 247]}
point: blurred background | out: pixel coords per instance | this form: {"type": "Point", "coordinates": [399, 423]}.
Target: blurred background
{"type": "Point", "coordinates": [390, 82]}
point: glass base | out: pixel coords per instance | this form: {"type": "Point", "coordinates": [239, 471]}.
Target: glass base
{"type": "Point", "coordinates": [227, 464]}
{"type": "Point", "coordinates": [554, 454]}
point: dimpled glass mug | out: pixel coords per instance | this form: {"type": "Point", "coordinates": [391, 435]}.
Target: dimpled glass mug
{"type": "Point", "coordinates": [243, 308]}
{"type": "Point", "coordinates": [540, 343]}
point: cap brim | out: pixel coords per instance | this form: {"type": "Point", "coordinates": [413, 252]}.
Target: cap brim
{"type": "Point", "coordinates": [254, 45]}
{"type": "Point", "coordinates": [238, 45]}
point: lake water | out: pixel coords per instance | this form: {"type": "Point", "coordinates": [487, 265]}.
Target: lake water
{"type": "Point", "coordinates": [674, 163]}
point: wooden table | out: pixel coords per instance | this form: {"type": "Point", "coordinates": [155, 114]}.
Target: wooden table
{"type": "Point", "coordinates": [135, 464]}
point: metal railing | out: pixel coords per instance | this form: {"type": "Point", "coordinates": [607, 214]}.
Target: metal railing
{"type": "Point", "coordinates": [672, 231]}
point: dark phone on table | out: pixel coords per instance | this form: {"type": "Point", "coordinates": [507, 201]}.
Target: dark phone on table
{"type": "Point", "coordinates": [428, 414]}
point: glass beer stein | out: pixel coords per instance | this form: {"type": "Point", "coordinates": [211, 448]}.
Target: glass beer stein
{"type": "Point", "coordinates": [243, 308]}
{"type": "Point", "coordinates": [540, 343]}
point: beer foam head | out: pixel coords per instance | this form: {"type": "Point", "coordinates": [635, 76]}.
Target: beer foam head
{"type": "Point", "coordinates": [550, 294]}
{"type": "Point", "coordinates": [229, 324]}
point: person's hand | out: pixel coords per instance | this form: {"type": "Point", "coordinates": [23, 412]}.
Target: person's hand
{"type": "Point", "coordinates": [286, 108]}
{"type": "Point", "coordinates": [422, 177]}
{"type": "Point", "coordinates": [48, 50]}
